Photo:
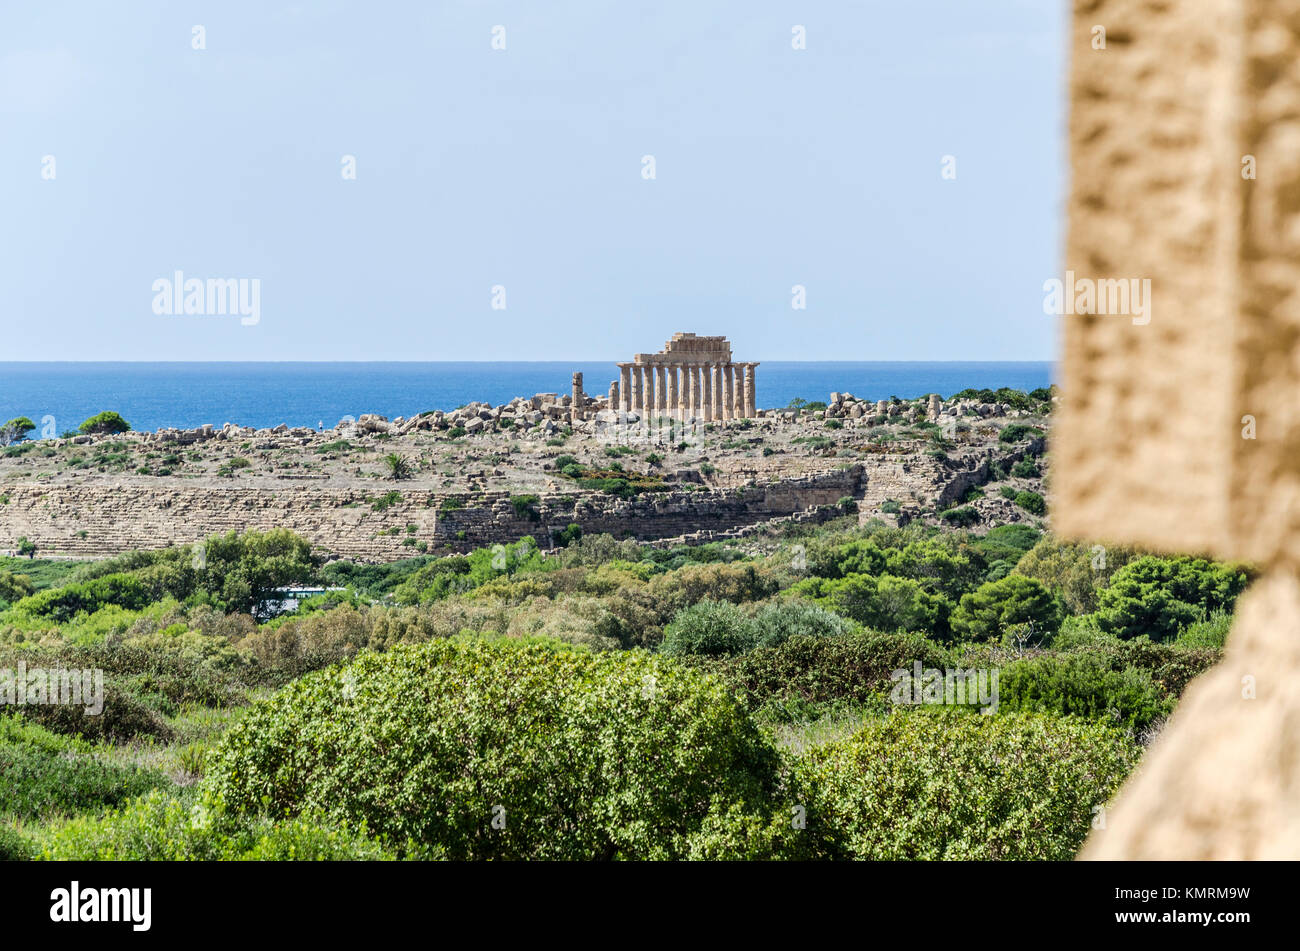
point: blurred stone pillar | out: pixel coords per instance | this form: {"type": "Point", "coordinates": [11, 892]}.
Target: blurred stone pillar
{"type": "Point", "coordinates": [661, 405]}
{"type": "Point", "coordinates": [674, 399]}
{"type": "Point", "coordinates": [706, 372]}
{"type": "Point", "coordinates": [649, 400]}
{"type": "Point", "coordinates": [1178, 426]}
{"type": "Point", "coordinates": [728, 391]}
{"type": "Point", "coordinates": [613, 395]}
{"type": "Point", "coordinates": [751, 390]}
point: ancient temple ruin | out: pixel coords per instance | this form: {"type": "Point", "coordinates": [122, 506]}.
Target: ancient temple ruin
{"type": "Point", "coordinates": [691, 378]}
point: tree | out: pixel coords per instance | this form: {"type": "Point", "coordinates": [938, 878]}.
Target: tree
{"type": "Point", "coordinates": [15, 430]}
{"type": "Point", "coordinates": [1078, 571]}
{"type": "Point", "coordinates": [105, 422]}
{"type": "Point", "coordinates": [1160, 596]}
{"type": "Point", "coordinates": [26, 547]}
{"type": "Point", "coordinates": [995, 608]}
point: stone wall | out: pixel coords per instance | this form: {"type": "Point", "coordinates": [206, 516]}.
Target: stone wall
{"type": "Point", "coordinates": [105, 517]}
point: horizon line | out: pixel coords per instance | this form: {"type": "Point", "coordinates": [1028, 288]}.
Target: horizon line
{"type": "Point", "coordinates": [505, 360]}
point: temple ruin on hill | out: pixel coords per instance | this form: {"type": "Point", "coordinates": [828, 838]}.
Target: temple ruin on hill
{"type": "Point", "coordinates": [690, 378]}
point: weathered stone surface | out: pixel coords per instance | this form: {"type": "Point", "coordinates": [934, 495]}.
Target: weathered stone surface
{"type": "Point", "coordinates": [1179, 427]}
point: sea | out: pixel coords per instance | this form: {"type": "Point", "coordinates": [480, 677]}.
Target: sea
{"type": "Point", "coordinates": [59, 396]}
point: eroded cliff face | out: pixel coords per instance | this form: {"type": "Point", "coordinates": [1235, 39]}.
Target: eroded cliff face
{"type": "Point", "coordinates": [109, 515]}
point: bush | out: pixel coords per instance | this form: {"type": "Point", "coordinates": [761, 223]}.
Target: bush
{"type": "Point", "coordinates": [961, 517]}
{"type": "Point", "coordinates": [709, 628]}
{"type": "Point", "coordinates": [775, 624]}
{"type": "Point", "coordinates": [61, 605]}
{"type": "Point", "coordinates": [501, 750]}
{"type": "Point", "coordinates": [1083, 685]}
{"type": "Point", "coordinates": [14, 846]}
{"type": "Point", "coordinates": [951, 785]}
{"type": "Point", "coordinates": [1031, 502]}
{"type": "Point", "coordinates": [1025, 468]}
{"type": "Point", "coordinates": [814, 669]}
{"type": "Point", "coordinates": [1015, 432]}
{"type": "Point", "coordinates": [14, 587]}
{"type": "Point", "coordinates": [158, 827]}
{"type": "Point", "coordinates": [525, 506]}
{"type": "Point", "coordinates": [47, 777]}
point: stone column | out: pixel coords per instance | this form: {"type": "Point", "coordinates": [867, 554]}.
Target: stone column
{"type": "Point", "coordinates": [661, 401]}
{"type": "Point", "coordinates": [719, 408]}
{"type": "Point", "coordinates": [613, 395]}
{"type": "Point", "coordinates": [728, 392]}
{"type": "Point", "coordinates": [706, 372]}
{"type": "Point", "coordinates": [674, 400]}
{"type": "Point", "coordinates": [751, 402]}
{"type": "Point", "coordinates": [575, 406]}
{"type": "Point", "coordinates": [935, 407]}
{"type": "Point", "coordinates": [649, 392]}
{"type": "Point", "coordinates": [638, 392]}
{"type": "Point", "coordinates": [738, 401]}
{"type": "Point", "coordinates": [697, 393]}
{"type": "Point", "coordinates": [625, 388]}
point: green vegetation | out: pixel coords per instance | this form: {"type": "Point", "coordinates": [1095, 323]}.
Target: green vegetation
{"type": "Point", "coordinates": [105, 422]}
{"type": "Point", "coordinates": [604, 699]}
{"type": "Point", "coordinates": [396, 466]}
{"type": "Point", "coordinates": [15, 430]}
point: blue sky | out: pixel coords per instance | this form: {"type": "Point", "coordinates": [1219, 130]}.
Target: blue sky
{"type": "Point", "coordinates": [522, 168]}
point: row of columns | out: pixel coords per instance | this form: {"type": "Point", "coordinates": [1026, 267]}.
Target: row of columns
{"type": "Point", "coordinates": [707, 391]}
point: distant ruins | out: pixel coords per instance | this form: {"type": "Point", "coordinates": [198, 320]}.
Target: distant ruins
{"type": "Point", "coordinates": [691, 378]}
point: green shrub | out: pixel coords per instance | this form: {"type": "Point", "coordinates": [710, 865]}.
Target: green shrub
{"type": "Point", "coordinates": [564, 537]}
{"type": "Point", "coordinates": [1025, 468]}
{"type": "Point", "coordinates": [525, 506]}
{"type": "Point", "coordinates": [61, 605]}
{"type": "Point", "coordinates": [923, 785]}
{"type": "Point", "coordinates": [158, 827]}
{"type": "Point", "coordinates": [14, 846]}
{"type": "Point", "coordinates": [502, 750]}
{"type": "Point", "coordinates": [14, 587]}
{"type": "Point", "coordinates": [708, 628]}
{"type": "Point", "coordinates": [776, 623]}
{"type": "Point", "coordinates": [1015, 432]}
{"type": "Point", "coordinates": [961, 517]}
{"type": "Point", "coordinates": [1031, 502]}
{"type": "Point", "coordinates": [1210, 632]}
{"type": "Point", "coordinates": [1083, 685]}
{"type": "Point", "coordinates": [40, 782]}
{"type": "Point", "coordinates": [816, 669]}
